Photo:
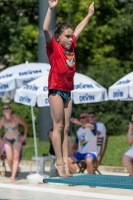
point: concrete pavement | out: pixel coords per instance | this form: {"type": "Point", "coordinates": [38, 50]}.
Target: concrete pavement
{"type": "Point", "coordinates": [51, 191]}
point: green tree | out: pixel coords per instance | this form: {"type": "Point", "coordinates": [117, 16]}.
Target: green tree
{"type": "Point", "coordinates": [18, 31]}
{"type": "Point", "coordinates": [104, 50]}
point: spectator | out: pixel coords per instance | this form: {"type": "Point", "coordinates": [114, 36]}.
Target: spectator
{"type": "Point", "coordinates": [12, 139]}
{"type": "Point", "coordinates": [127, 158]}
{"type": "Point", "coordinates": [51, 149]}
{"type": "Point", "coordinates": [101, 129]}
{"type": "Point", "coordinates": [85, 145]}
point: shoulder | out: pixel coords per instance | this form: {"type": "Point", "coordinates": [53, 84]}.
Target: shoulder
{"type": "Point", "coordinates": [101, 127]}
{"type": "Point", "coordinates": [16, 117]}
{"type": "Point", "coordinates": [100, 124]}
{"type": "Point", "coordinates": [74, 39]}
{"type": "Point", "coordinates": [20, 120]}
{"type": "Point", "coordinates": [52, 46]}
{"type": "Point", "coordinates": [52, 43]}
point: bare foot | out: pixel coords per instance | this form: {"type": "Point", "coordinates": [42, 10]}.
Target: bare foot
{"type": "Point", "coordinates": [12, 180]}
{"type": "Point", "coordinates": [67, 169]}
{"type": "Point", "coordinates": [61, 170]}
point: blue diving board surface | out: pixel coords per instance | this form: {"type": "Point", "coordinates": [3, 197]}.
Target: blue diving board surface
{"type": "Point", "coordinates": [111, 181]}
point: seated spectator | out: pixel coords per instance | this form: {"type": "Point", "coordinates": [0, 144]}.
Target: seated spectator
{"type": "Point", "coordinates": [85, 145]}
{"type": "Point", "coordinates": [12, 140]}
{"type": "Point", "coordinates": [3, 151]}
{"type": "Point", "coordinates": [101, 129]}
{"type": "Point", "coordinates": [127, 158]}
{"type": "Point", "coordinates": [51, 149]}
{"type": "Point", "coordinates": [70, 145]}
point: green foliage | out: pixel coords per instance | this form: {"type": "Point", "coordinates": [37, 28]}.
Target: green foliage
{"type": "Point", "coordinates": [29, 150]}
{"type": "Point", "coordinates": [114, 114]}
{"type": "Point", "coordinates": [116, 146]}
{"type": "Point", "coordinates": [22, 49]}
{"type": "Point", "coordinates": [104, 50]}
{"type": "Point", "coordinates": [18, 31]}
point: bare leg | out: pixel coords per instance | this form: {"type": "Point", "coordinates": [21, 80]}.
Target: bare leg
{"type": "Point", "coordinates": [57, 113]}
{"type": "Point", "coordinates": [16, 153]}
{"type": "Point", "coordinates": [67, 110]}
{"type": "Point", "coordinates": [72, 167]}
{"type": "Point", "coordinates": [9, 154]}
{"type": "Point", "coordinates": [70, 146]}
{"type": "Point", "coordinates": [127, 162]}
{"type": "Point", "coordinates": [90, 168]}
{"type": "Point", "coordinates": [89, 163]}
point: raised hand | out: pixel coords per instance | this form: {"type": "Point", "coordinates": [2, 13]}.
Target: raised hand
{"type": "Point", "coordinates": [22, 139]}
{"type": "Point", "coordinates": [53, 3]}
{"type": "Point", "coordinates": [91, 9]}
{"type": "Point", "coordinates": [75, 121]}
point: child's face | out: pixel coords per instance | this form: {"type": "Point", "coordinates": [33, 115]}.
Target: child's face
{"type": "Point", "coordinates": [65, 39]}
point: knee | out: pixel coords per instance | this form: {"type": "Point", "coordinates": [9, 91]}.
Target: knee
{"type": "Point", "coordinates": [15, 158]}
{"type": "Point", "coordinates": [70, 160]}
{"type": "Point", "coordinates": [58, 128]}
{"type": "Point", "coordinates": [10, 160]}
{"type": "Point", "coordinates": [66, 129]}
{"type": "Point", "coordinates": [124, 158]}
{"type": "Point", "coordinates": [89, 160]}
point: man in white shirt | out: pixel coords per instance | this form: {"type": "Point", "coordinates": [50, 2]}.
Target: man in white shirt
{"type": "Point", "coordinates": [85, 145]}
{"type": "Point", "coordinates": [101, 129]}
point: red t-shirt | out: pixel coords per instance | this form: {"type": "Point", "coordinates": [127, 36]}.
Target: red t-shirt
{"type": "Point", "coordinates": [62, 63]}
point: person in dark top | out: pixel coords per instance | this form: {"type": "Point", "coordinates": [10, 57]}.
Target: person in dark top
{"type": "Point", "coordinates": [70, 143]}
{"type": "Point", "coordinates": [51, 149]}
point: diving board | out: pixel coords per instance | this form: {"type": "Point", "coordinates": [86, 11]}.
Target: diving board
{"type": "Point", "coordinates": [112, 181]}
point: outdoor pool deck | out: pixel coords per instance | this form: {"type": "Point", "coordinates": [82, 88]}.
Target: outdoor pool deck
{"type": "Point", "coordinates": [22, 190]}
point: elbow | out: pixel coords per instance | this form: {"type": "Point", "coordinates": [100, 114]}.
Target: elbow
{"type": "Point", "coordinates": [46, 31]}
{"type": "Point", "coordinates": [128, 141]}
{"type": "Point", "coordinates": [45, 28]}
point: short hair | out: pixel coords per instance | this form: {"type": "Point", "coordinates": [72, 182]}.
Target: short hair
{"type": "Point", "coordinates": [61, 26]}
{"type": "Point", "coordinates": [84, 112]}
{"type": "Point", "coordinates": [7, 105]}
{"type": "Point", "coordinates": [93, 113]}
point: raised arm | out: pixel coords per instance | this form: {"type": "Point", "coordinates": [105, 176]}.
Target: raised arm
{"type": "Point", "coordinates": [47, 20]}
{"type": "Point", "coordinates": [87, 125]}
{"type": "Point", "coordinates": [85, 21]}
